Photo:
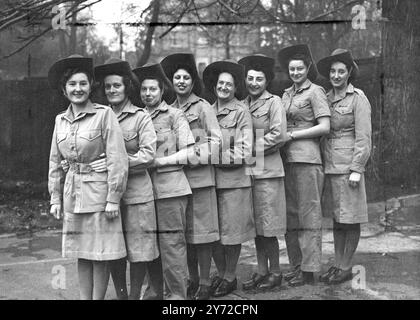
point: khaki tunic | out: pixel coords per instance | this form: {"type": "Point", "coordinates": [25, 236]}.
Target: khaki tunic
{"type": "Point", "coordinates": [80, 141]}
{"type": "Point", "coordinates": [137, 208]}
{"type": "Point", "coordinates": [303, 107]}
{"type": "Point", "coordinates": [87, 233]}
{"type": "Point", "coordinates": [173, 134]}
{"type": "Point", "coordinates": [202, 217]}
{"type": "Point", "coordinates": [233, 177]}
{"type": "Point", "coordinates": [346, 149]}
{"type": "Point", "coordinates": [269, 125]}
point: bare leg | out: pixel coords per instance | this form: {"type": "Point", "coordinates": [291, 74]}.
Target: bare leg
{"type": "Point", "coordinates": [118, 270]}
{"type": "Point", "coordinates": [137, 274]}
{"type": "Point", "coordinates": [85, 274]}
{"type": "Point", "coordinates": [232, 253]}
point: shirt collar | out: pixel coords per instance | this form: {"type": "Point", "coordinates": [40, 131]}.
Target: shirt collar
{"type": "Point", "coordinates": [264, 96]}
{"type": "Point", "coordinates": [129, 107]}
{"type": "Point", "coordinates": [349, 90]}
{"type": "Point", "coordinates": [192, 99]}
{"type": "Point", "coordinates": [230, 106]}
{"type": "Point", "coordinates": [89, 108]}
{"type": "Point", "coordinates": [304, 86]}
{"type": "Point", "coordinates": [162, 107]}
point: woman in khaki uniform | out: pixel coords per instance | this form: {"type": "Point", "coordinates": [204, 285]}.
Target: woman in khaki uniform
{"type": "Point", "coordinates": [137, 206]}
{"type": "Point", "coordinates": [308, 116]}
{"type": "Point", "coordinates": [233, 180]}
{"type": "Point", "coordinates": [88, 195]}
{"type": "Point", "coordinates": [171, 189]}
{"type": "Point", "coordinates": [345, 151]}
{"type": "Point", "coordinates": [269, 124]}
{"type": "Point", "coordinates": [202, 218]}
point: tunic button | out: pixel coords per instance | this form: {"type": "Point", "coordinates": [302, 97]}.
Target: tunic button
{"type": "Point", "coordinates": [72, 148]}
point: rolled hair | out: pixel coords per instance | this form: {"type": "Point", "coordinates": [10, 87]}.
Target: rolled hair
{"type": "Point", "coordinates": [69, 73]}
{"type": "Point", "coordinates": [299, 56]}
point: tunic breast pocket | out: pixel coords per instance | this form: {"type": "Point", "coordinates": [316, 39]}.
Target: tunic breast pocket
{"type": "Point", "coordinates": [261, 119]}
{"type": "Point", "coordinates": [166, 141]}
{"type": "Point", "coordinates": [228, 129]}
{"type": "Point", "coordinates": [193, 120]}
{"type": "Point", "coordinates": [90, 142]}
{"type": "Point", "coordinates": [342, 117]}
{"type": "Point", "coordinates": [130, 141]}
{"type": "Point", "coordinates": [302, 111]}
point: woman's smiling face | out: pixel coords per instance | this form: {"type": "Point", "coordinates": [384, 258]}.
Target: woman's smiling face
{"type": "Point", "coordinates": [114, 89]}
{"type": "Point", "coordinates": [182, 82]}
{"type": "Point", "coordinates": [339, 75]}
{"type": "Point", "coordinates": [77, 88]}
{"type": "Point", "coordinates": [225, 87]}
{"type": "Point", "coordinates": [298, 71]}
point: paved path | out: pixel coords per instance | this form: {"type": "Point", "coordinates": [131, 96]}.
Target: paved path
{"type": "Point", "coordinates": [31, 266]}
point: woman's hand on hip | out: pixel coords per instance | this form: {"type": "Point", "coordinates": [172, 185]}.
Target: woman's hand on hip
{"type": "Point", "coordinates": [112, 210]}
{"type": "Point", "coordinates": [56, 211]}
{"type": "Point", "coordinates": [99, 165]}
{"type": "Point", "coordinates": [65, 165]}
{"type": "Point", "coordinates": [354, 179]}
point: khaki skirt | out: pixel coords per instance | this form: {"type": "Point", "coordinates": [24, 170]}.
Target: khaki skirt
{"type": "Point", "coordinates": [236, 217]}
{"type": "Point", "coordinates": [269, 207]}
{"type": "Point", "coordinates": [342, 202]}
{"type": "Point", "coordinates": [201, 215]}
{"type": "Point", "coordinates": [140, 231]}
{"type": "Point", "coordinates": [93, 236]}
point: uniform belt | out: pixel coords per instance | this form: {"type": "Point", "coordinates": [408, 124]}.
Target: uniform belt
{"type": "Point", "coordinates": [79, 167]}
{"type": "Point", "coordinates": [339, 134]}
{"type": "Point", "coordinates": [299, 125]}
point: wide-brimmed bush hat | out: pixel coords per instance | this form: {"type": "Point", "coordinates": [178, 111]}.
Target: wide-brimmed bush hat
{"type": "Point", "coordinates": [259, 62]}
{"type": "Point", "coordinates": [74, 61]}
{"type": "Point", "coordinates": [212, 71]}
{"type": "Point", "coordinates": [176, 61]}
{"type": "Point", "coordinates": [285, 55]}
{"type": "Point", "coordinates": [338, 55]}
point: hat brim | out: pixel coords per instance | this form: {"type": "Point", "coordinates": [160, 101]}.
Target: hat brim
{"type": "Point", "coordinates": [286, 54]}
{"type": "Point", "coordinates": [59, 68]}
{"type": "Point", "coordinates": [324, 65]}
{"type": "Point", "coordinates": [153, 71]}
{"type": "Point", "coordinates": [171, 63]}
{"type": "Point", "coordinates": [213, 70]}
{"type": "Point", "coordinates": [259, 62]}
{"type": "Point", "coordinates": [121, 68]}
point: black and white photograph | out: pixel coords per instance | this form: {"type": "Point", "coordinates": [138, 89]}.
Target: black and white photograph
{"type": "Point", "coordinates": [231, 151]}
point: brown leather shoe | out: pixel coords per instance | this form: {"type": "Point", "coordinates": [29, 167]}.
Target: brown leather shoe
{"type": "Point", "coordinates": [302, 278]}
{"type": "Point", "coordinates": [225, 288]}
{"type": "Point", "coordinates": [192, 288]}
{"type": "Point", "coordinates": [325, 276]}
{"type": "Point", "coordinates": [340, 276]}
{"type": "Point", "coordinates": [253, 282]}
{"type": "Point", "coordinates": [215, 282]}
{"type": "Point", "coordinates": [203, 293]}
{"type": "Point", "coordinates": [292, 273]}
{"type": "Point", "coordinates": [271, 281]}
